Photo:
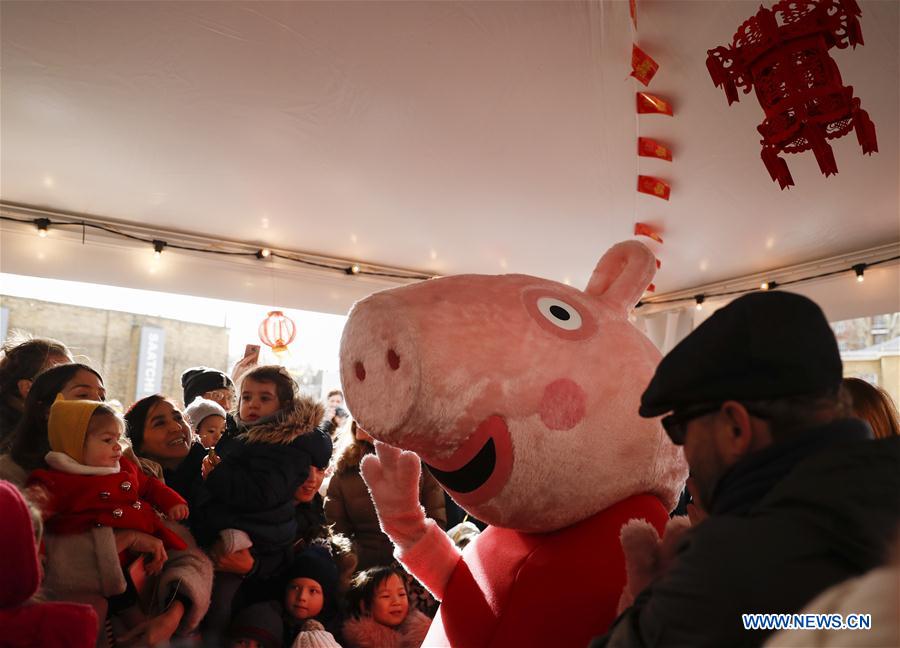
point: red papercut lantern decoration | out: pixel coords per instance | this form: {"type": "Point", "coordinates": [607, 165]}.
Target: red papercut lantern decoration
{"type": "Point", "coordinates": [277, 331]}
{"type": "Point", "coordinates": [783, 54]}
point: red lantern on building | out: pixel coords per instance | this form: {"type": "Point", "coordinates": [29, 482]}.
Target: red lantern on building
{"type": "Point", "coordinates": [277, 331]}
{"type": "Point", "coordinates": [782, 53]}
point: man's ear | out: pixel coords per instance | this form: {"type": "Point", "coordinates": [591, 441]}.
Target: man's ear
{"type": "Point", "coordinates": [741, 440]}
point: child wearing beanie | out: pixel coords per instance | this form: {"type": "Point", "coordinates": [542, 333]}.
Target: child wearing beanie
{"type": "Point", "coordinates": [90, 483]}
{"type": "Point", "coordinates": [310, 600]}
{"type": "Point", "coordinates": [207, 420]}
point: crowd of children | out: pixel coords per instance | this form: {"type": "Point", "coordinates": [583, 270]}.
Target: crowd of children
{"type": "Point", "coordinates": [215, 517]}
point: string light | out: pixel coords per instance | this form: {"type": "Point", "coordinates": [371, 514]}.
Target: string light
{"type": "Point", "coordinates": [43, 226]}
{"type": "Point", "coordinates": [699, 299]}
{"type": "Point", "coordinates": [158, 247]}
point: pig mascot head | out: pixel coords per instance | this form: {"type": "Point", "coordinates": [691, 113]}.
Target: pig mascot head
{"type": "Point", "coordinates": [520, 394]}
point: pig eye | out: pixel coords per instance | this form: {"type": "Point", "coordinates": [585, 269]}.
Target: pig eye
{"type": "Point", "coordinates": [559, 313]}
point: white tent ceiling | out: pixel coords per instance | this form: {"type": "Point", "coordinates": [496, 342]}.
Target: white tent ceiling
{"type": "Point", "coordinates": [445, 137]}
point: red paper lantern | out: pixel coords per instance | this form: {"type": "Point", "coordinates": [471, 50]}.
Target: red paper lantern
{"type": "Point", "coordinates": [277, 331]}
{"type": "Point", "coordinates": [783, 54]}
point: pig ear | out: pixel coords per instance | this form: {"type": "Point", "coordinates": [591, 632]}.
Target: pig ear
{"type": "Point", "coordinates": [623, 274]}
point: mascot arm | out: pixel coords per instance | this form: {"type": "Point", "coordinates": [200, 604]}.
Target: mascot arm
{"type": "Point", "coordinates": [647, 557]}
{"type": "Point", "coordinates": [392, 476]}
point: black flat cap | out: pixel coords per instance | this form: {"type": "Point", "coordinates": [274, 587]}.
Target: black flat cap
{"type": "Point", "coordinates": [763, 345]}
{"type": "Point", "coordinates": [196, 381]}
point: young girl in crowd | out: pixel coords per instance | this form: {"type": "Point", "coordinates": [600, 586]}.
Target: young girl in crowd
{"type": "Point", "coordinates": [382, 614]}
{"type": "Point", "coordinates": [251, 486]}
{"type": "Point", "coordinates": [207, 419]}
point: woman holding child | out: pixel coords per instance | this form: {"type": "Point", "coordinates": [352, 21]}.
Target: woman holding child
{"type": "Point", "coordinates": [85, 566]}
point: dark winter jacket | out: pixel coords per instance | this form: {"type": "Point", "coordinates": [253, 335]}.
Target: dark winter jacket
{"type": "Point", "coordinates": [785, 524]}
{"type": "Point", "coordinates": [365, 632]}
{"type": "Point", "coordinates": [252, 489]}
{"type": "Point", "coordinates": [349, 507]}
{"type": "Point", "coordinates": [311, 523]}
{"type": "Point", "coordinates": [186, 479]}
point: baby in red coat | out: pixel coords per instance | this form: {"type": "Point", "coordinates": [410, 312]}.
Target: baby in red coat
{"type": "Point", "coordinates": [90, 483]}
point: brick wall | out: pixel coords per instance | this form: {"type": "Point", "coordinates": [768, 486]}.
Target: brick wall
{"type": "Point", "coordinates": [109, 341]}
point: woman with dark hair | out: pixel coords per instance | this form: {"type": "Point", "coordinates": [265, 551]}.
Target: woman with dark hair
{"type": "Point", "coordinates": [85, 567]}
{"type": "Point", "coordinates": [875, 406]}
{"type": "Point", "coordinates": [159, 432]}
{"type": "Point", "coordinates": [24, 450]}
{"type": "Point", "coordinates": [162, 438]}
{"type": "Point", "coordinates": [22, 360]}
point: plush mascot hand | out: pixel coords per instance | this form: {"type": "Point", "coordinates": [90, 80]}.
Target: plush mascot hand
{"type": "Point", "coordinates": [392, 476]}
{"type": "Point", "coordinates": [647, 557]}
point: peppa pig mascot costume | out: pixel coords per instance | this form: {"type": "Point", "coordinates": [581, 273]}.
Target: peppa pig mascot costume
{"type": "Point", "coordinates": [521, 397]}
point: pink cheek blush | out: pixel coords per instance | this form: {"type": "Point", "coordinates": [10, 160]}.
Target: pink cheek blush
{"type": "Point", "coordinates": [563, 405]}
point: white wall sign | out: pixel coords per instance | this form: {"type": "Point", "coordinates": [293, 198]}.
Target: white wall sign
{"type": "Point", "coordinates": [150, 361]}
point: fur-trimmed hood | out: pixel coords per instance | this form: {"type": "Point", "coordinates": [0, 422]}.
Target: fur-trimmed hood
{"type": "Point", "coordinates": [284, 426]}
{"type": "Point", "coordinates": [365, 632]}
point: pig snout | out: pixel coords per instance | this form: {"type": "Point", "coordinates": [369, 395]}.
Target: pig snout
{"type": "Point", "coordinates": [379, 366]}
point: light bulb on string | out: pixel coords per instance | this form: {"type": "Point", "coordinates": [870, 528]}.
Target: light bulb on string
{"type": "Point", "coordinates": [158, 247]}
{"type": "Point", "coordinates": [43, 225]}
{"type": "Point", "coordinates": [264, 253]}
{"type": "Point", "coordinates": [699, 299]}
{"type": "Point", "coordinates": [860, 270]}
{"type": "Point", "coordinates": [353, 269]}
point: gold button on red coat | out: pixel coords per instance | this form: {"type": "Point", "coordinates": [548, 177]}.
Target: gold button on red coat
{"type": "Point", "coordinates": [136, 505]}
{"type": "Point", "coordinates": [117, 513]}
{"type": "Point", "coordinates": [104, 494]}
{"type": "Point", "coordinates": [125, 486]}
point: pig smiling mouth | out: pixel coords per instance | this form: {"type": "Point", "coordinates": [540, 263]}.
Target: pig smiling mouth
{"type": "Point", "coordinates": [472, 475]}
{"type": "Point", "coordinates": [475, 463]}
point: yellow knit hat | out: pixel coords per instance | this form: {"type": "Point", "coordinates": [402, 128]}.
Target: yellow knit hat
{"type": "Point", "coordinates": [68, 424]}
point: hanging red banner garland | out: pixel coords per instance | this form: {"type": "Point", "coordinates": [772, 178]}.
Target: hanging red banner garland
{"type": "Point", "coordinates": [653, 186]}
{"type": "Point", "coordinates": [642, 229]}
{"type": "Point", "coordinates": [783, 54]}
{"type": "Point", "coordinates": [651, 104]}
{"type": "Point", "coordinates": [651, 148]}
{"type": "Point", "coordinates": [632, 8]}
{"type": "Point", "coordinates": [643, 68]}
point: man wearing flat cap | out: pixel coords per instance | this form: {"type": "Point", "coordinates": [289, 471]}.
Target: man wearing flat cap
{"type": "Point", "coordinates": [799, 497]}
